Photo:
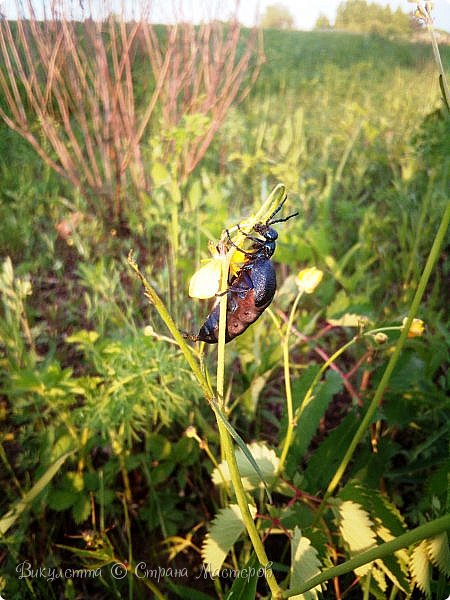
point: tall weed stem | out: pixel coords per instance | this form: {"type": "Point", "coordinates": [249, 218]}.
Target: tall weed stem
{"type": "Point", "coordinates": [225, 437]}
{"type": "Point", "coordinates": [287, 381]}
{"type": "Point", "coordinates": [426, 531]}
{"type": "Point", "coordinates": [425, 14]}
{"type": "Point", "coordinates": [432, 258]}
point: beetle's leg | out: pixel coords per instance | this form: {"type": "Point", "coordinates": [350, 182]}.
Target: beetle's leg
{"type": "Point", "coordinates": [187, 335]}
{"type": "Point", "coordinates": [251, 237]}
{"type": "Point", "coordinates": [245, 252]}
{"type": "Point", "coordinates": [239, 289]}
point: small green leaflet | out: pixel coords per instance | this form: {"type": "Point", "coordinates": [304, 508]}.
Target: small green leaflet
{"type": "Point", "coordinates": [420, 567]}
{"type": "Point", "coordinates": [439, 553]}
{"type": "Point", "coordinates": [240, 442]}
{"type": "Point", "coordinates": [429, 553]}
{"type": "Point", "coordinates": [356, 530]}
{"type": "Point", "coordinates": [225, 530]}
{"type": "Point", "coordinates": [304, 565]}
{"type": "Point", "coordinates": [265, 458]}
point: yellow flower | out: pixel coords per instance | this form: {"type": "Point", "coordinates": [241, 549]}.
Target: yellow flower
{"type": "Point", "coordinates": [309, 279]}
{"type": "Point", "coordinates": [416, 329]}
{"type": "Point", "coordinates": [205, 282]}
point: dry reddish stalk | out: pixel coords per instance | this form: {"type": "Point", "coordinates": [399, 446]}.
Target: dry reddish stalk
{"type": "Point", "coordinates": [69, 91]}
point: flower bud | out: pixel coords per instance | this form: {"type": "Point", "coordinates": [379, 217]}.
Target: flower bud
{"type": "Point", "coordinates": [309, 279]}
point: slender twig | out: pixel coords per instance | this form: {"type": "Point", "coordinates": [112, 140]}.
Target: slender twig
{"type": "Point", "coordinates": [287, 382]}
{"type": "Point", "coordinates": [378, 396]}
{"type": "Point", "coordinates": [426, 531]}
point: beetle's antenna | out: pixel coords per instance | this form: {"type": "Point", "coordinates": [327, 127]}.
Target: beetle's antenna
{"type": "Point", "coordinates": [271, 221]}
{"type": "Point", "coordinates": [278, 208]}
{"type": "Point", "coordinates": [282, 220]}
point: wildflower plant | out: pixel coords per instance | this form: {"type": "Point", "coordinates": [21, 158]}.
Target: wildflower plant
{"type": "Point", "coordinates": [255, 467]}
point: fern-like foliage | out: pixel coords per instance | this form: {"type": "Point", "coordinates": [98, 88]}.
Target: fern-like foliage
{"type": "Point", "coordinates": [226, 527]}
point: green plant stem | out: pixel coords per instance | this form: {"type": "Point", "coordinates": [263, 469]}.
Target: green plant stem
{"type": "Point", "coordinates": [394, 593]}
{"type": "Point", "coordinates": [437, 57]}
{"type": "Point", "coordinates": [405, 540]}
{"type": "Point", "coordinates": [293, 420]}
{"type": "Point", "coordinates": [287, 382]}
{"type": "Point", "coordinates": [154, 299]}
{"type": "Point", "coordinates": [367, 586]}
{"type": "Point", "coordinates": [126, 480]}
{"type": "Point", "coordinates": [247, 518]}
{"type": "Point", "coordinates": [322, 369]}
{"type": "Point", "coordinates": [432, 257]}
{"type": "Point", "coordinates": [222, 328]}
{"type": "Point", "coordinates": [227, 443]}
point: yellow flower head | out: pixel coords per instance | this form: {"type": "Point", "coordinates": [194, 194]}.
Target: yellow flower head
{"type": "Point", "coordinates": [309, 279]}
{"type": "Point", "coordinates": [416, 329]}
{"type": "Point", "coordinates": [205, 282]}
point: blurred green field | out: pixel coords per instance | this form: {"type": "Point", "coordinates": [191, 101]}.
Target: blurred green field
{"type": "Point", "coordinates": [354, 127]}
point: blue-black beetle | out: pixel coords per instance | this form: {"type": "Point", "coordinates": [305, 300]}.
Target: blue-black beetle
{"type": "Point", "coordinates": [252, 289]}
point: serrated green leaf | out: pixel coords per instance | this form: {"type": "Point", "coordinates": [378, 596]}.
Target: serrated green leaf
{"type": "Point", "coordinates": [313, 413]}
{"type": "Point", "coordinates": [420, 567]}
{"type": "Point", "coordinates": [226, 527]}
{"type": "Point", "coordinates": [304, 565]}
{"type": "Point", "coordinates": [377, 505]}
{"type": "Point", "coordinates": [392, 567]}
{"type": "Point", "coordinates": [438, 552]}
{"type": "Point", "coordinates": [356, 530]}
{"type": "Point", "coordinates": [81, 508]}
{"type": "Point", "coordinates": [388, 523]}
{"type": "Point", "coordinates": [61, 499]}
{"type": "Point", "coordinates": [379, 577]}
{"type": "Point", "coordinates": [265, 458]}
{"type": "Point", "coordinates": [323, 464]}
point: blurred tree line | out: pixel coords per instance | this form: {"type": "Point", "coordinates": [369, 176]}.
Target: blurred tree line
{"type": "Point", "coordinates": [361, 16]}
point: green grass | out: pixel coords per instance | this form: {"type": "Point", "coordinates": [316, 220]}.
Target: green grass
{"type": "Point", "coordinates": [351, 125]}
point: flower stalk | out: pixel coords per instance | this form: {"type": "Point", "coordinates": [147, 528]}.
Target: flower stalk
{"type": "Point", "coordinates": [405, 331]}
{"type": "Point", "coordinates": [219, 406]}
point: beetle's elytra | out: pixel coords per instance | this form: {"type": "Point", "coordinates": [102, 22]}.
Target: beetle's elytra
{"type": "Point", "coordinates": [252, 289]}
